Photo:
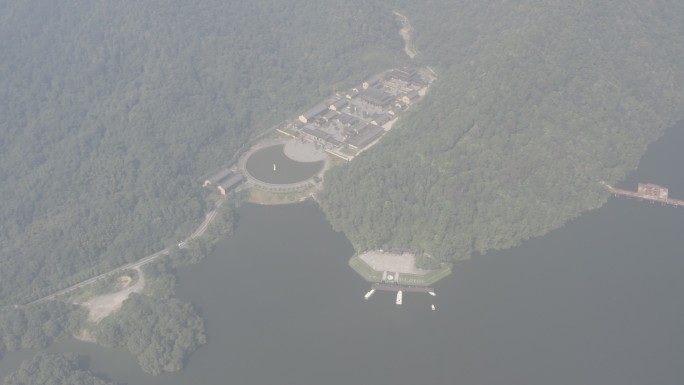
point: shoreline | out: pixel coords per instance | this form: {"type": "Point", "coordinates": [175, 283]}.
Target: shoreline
{"type": "Point", "coordinates": [368, 273]}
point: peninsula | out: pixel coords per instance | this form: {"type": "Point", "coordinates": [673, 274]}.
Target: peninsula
{"type": "Point", "coordinates": [396, 267]}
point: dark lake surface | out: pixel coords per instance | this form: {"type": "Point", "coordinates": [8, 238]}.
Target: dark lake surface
{"type": "Point", "coordinates": [599, 301]}
{"type": "Point", "coordinates": [260, 165]}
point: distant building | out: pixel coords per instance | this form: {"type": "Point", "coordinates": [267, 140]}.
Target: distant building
{"type": "Point", "coordinates": [407, 74]}
{"type": "Point", "coordinates": [313, 112]}
{"type": "Point", "coordinates": [410, 97]}
{"type": "Point", "coordinates": [346, 119]}
{"type": "Point", "coordinates": [320, 136]}
{"type": "Point", "coordinates": [372, 82]}
{"type": "Point", "coordinates": [358, 127]}
{"type": "Point", "coordinates": [652, 190]}
{"type": "Point", "coordinates": [229, 182]}
{"type": "Point", "coordinates": [351, 94]}
{"type": "Point", "coordinates": [376, 97]}
{"type": "Point", "coordinates": [380, 119]}
{"type": "Point", "coordinates": [216, 178]}
{"type": "Point", "coordinates": [330, 115]}
{"type": "Point", "coordinates": [338, 105]}
{"type": "Point", "coordinates": [365, 137]}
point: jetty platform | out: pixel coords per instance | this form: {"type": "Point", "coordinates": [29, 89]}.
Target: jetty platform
{"type": "Point", "coordinates": [647, 191]}
{"type": "Point", "coordinates": [397, 287]}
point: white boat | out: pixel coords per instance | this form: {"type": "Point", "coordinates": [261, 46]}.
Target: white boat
{"type": "Point", "coordinates": [399, 295]}
{"type": "Point", "coordinates": [368, 295]}
{"type": "Point", "coordinates": [433, 306]}
{"type": "Point", "coordinates": [432, 293]}
{"type": "Point", "coordinates": [274, 168]}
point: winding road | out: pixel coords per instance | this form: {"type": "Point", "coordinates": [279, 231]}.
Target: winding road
{"type": "Point", "coordinates": [134, 265]}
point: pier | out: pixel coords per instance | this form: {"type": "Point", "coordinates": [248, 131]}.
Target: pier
{"type": "Point", "coordinates": [395, 287]}
{"type": "Point", "coordinates": [647, 191]}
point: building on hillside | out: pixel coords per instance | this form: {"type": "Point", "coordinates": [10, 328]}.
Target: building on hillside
{"type": "Point", "coordinates": [216, 178]}
{"type": "Point", "coordinates": [372, 82]}
{"type": "Point", "coordinates": [351, 94]}
{"type": "Point", "coordinates": [229, 182]}
{"type": "Point", "coordinates": [346, 119]}
{"type": "Point", "coordinates": [330, 115]}
{"type": "Point", "coordinates": [316, 134]}
{"type": "Point", "coordinates": [410, 97]}
{"type": "Point", "coordinates": [338, 105]}
{"type": "Point", "coordinates": [380, 119]}
{"type": "Point", "coordinates": [313, 112]}
{"type": "Point", "coordinates": [320, 136]}
{"type": "Point", "coordinates": [358, 127]}
{"type": "Point", "coordinates": [407, 74]}
{"type": "Point", "coordinates": [376, 97]}
{"type": "Point", "coordinates": [365, 137]}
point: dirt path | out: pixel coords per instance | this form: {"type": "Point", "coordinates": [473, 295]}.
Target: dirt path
{"type": "Point", "coordinates": [405, 33]}
{"type": "Point", "coordinates": [101, 306]}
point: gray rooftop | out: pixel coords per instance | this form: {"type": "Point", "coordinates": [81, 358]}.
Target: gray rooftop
{"type": "Point", "coordinates": [219, 175]}
{"type": "Point", "coordinates": [315, 110]}
{"type": "Point", "coordinates": [365, 137]}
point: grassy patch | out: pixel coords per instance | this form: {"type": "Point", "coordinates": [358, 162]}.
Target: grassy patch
{"type": "Point", "coordinates": [370, 275]}
{"type": "Point", "coordinates": [425, 280]}
{"type": "Point", "coordinates": [365, 271]}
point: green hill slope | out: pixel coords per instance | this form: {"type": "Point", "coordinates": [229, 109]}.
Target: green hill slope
{"type": "Point", "coordinates": [534, 105]}
{"type": "Point", "coordinates": [111, 113]}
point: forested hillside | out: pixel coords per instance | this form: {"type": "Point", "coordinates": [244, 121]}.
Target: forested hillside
{"type": "Point", "coordinates": [54, 369]}
{"type": "Point", "coordinates": [536, 102]}
{"type": "Point", "coordinates": [111, 113]}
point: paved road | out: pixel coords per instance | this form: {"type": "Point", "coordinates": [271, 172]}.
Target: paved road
{"type": "Point", "coordinates": [133, 265]}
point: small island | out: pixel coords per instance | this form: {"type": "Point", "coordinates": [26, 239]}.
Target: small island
{"type": "Point", "coordinates": [396, 267]}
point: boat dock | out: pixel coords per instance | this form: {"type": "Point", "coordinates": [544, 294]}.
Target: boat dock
{"type": "Point", "coordinates": [646, 191]}
{"type": "Point", "coordinates": [400, 289]}
{"type": "Point", "coordinates": [395, 287]}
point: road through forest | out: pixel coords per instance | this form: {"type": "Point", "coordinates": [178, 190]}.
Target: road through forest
{"type": "Point", "coordinates": [134, 265]}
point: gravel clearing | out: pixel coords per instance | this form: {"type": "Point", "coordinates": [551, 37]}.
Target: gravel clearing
{"type": "Point", "coordinates": [401, 263]}
{"type": "Point", "coordinates": [303, 152]}
{"type": "Point", "coordinates": [101, 306]}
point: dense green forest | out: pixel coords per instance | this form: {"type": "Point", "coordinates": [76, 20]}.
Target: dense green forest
{"type": "Point", "coordinates": [54, 369]}
{"type": "Point", "coordinates": [37, 326]}
{"type": "Point", "coordinates": [534, 105]}
{"type": "Point", "coordinates": [161, 333]}
{"type": "Point", "coordinates": [111, 113]}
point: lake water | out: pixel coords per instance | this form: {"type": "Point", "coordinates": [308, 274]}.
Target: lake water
{"type": "Point", "coordinates": [260, 166]}
{"type": "Point", "coordinates": [598, 301]}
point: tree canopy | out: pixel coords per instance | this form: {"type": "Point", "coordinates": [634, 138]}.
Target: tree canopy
{"type": "Point", "coordinates": [112, 113]}
{"type": "Point", "coordinates": [160, 332]}
{"type": "Point", "coordinates": [54, 369]}
{"type": "Point", "coordinates": [534, 105]}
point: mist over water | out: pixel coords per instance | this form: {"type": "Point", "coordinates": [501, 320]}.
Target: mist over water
{"type": "Point", "coordinates": [595, 302]}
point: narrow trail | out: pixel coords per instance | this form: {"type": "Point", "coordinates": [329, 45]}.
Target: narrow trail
{"type": "Point", "coordinates": [133, 265]}
{"type": "Point", "coordinates": [405, 32]}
